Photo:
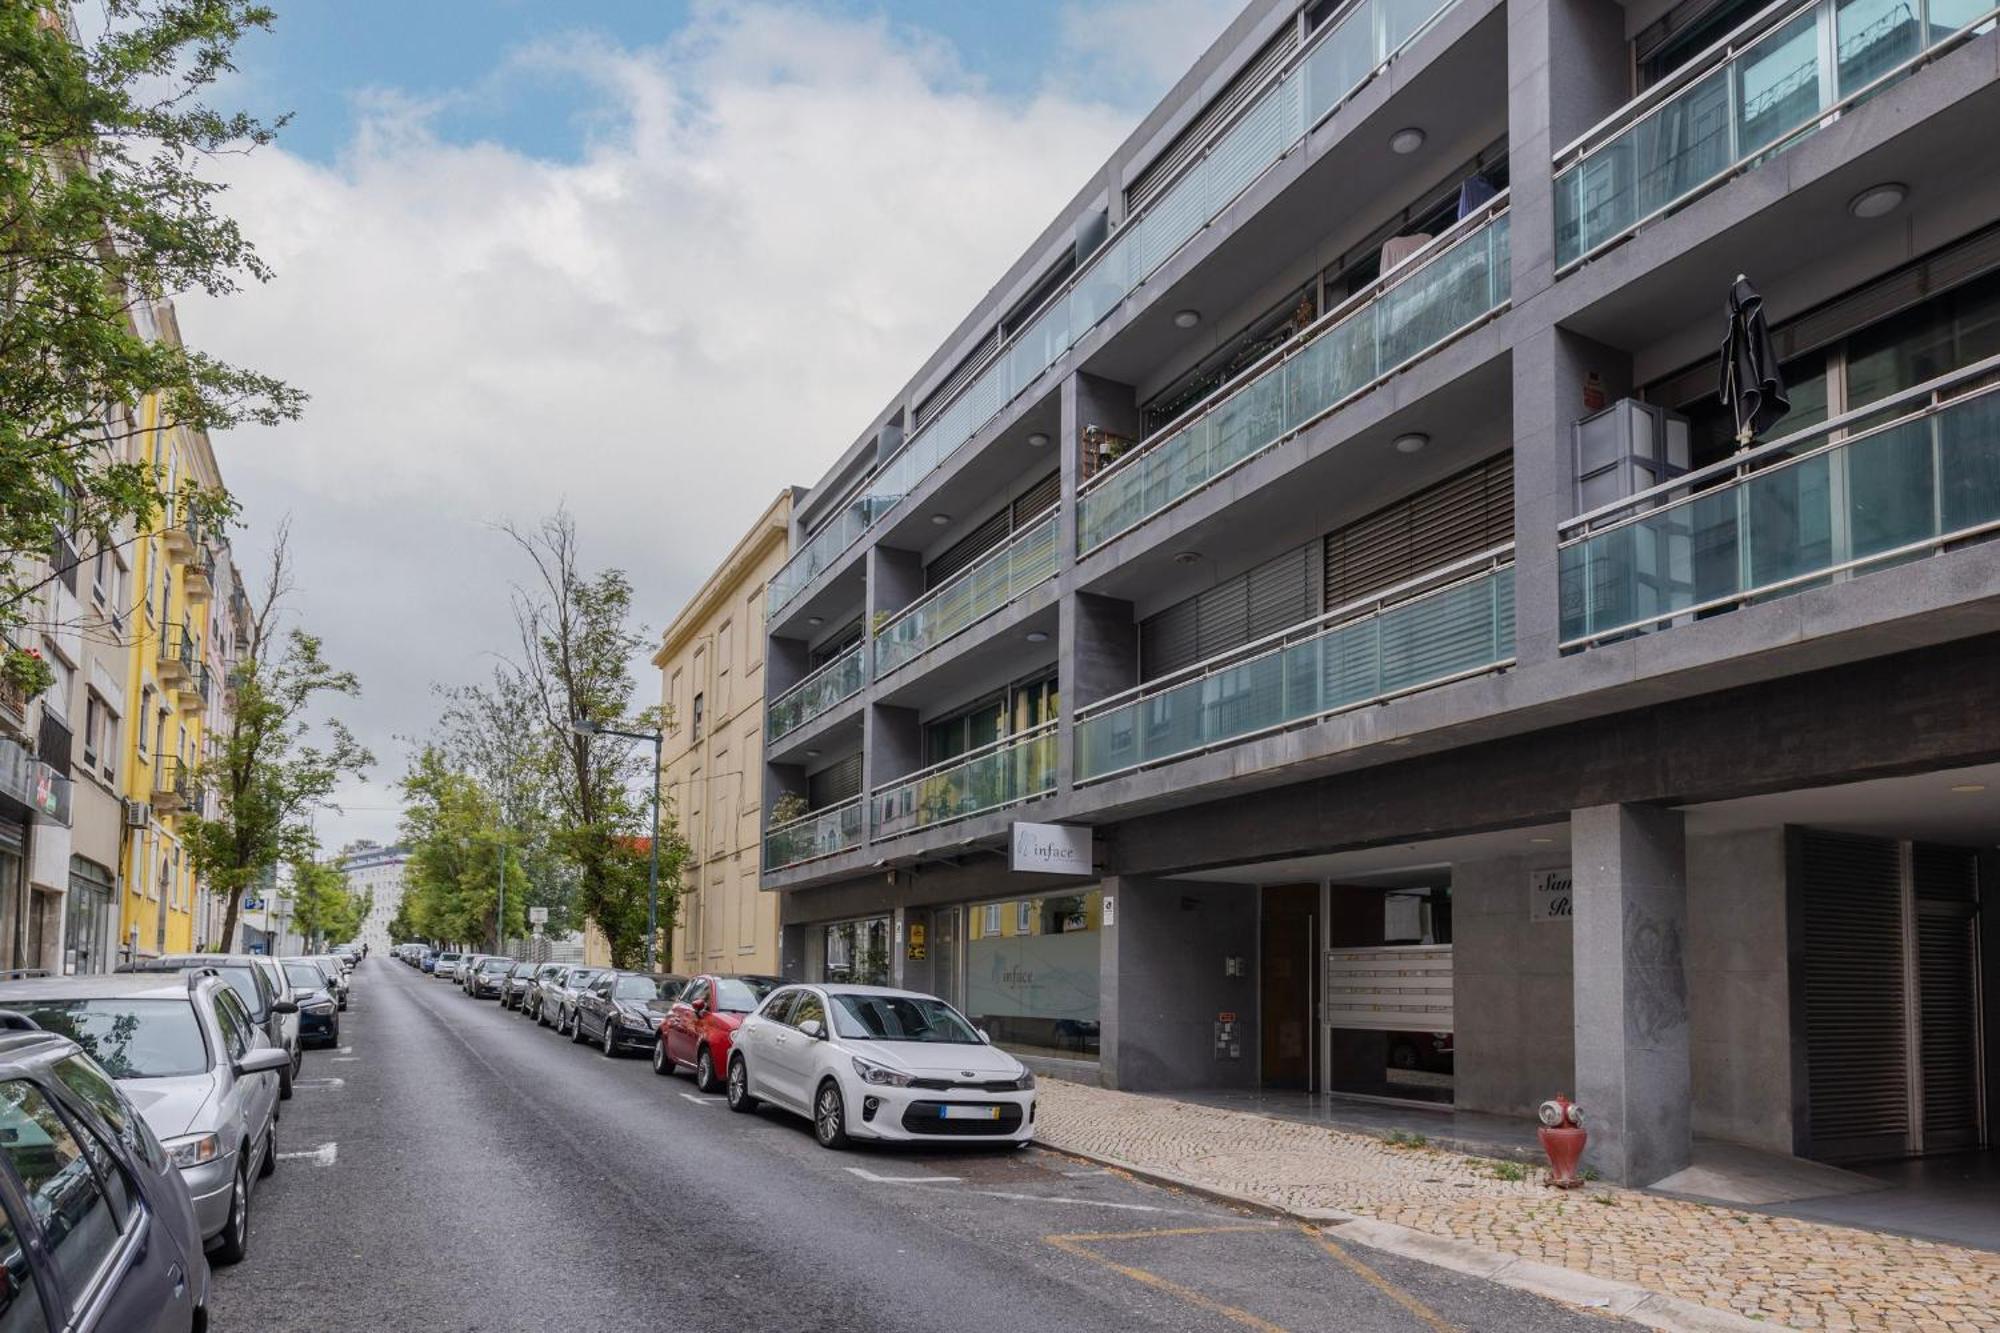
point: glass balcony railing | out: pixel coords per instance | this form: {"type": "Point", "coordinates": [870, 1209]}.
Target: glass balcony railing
{"type": "Point", "coordinates": [974, 593]}
{"type": "Point", "coordinates": [1897, 480]}
{"type": "Point", "coordinates": [1460, 279]}
{"type": "Point", "coordinates": [1454, 622]}
{"type": "Point", "coordinates": [818, 554]}
{"type": "Point", "coordinates": [1007, 772]}
{"type": "Point", "coordinates": [821, 833]}
{"type": "Point", "coordinates": [1341, 58]}
{"type": "Point", "coordinates": [841, 678]}
{"type": "Point", "coordinates": [1757, 91]}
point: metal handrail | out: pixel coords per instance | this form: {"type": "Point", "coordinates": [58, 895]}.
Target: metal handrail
{"type": "Point", "coordinates": [1651, 501]}
{"type": "Point", "coordinates": [1035, 732]}
{"type": "Point", "coordinates": [1049, 519]}
{"type": "Point", "coordinates": [1417, 260]}
{"type": "Point", "coordinates": [1435, 580]}
{"type": "Point", "coordinates": [811, 677]}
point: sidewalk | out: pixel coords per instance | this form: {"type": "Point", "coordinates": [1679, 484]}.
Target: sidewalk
{"type": "Point", "coordinates": [1782, 1271]}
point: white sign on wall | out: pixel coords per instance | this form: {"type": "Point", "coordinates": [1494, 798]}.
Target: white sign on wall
{"type": "Point", "coordinates": [1051, 849]}
{"type": "Point", "coordinates": [1549, 895]}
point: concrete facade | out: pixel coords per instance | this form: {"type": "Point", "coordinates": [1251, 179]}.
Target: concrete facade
{"type": "Point", "coordinates": [1669, 1001]}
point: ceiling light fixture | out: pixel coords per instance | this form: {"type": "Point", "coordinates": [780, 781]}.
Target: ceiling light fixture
{"type": "Point", "coordinates": [1412, 442]}
{"type": "Point", "coordinates": [815, 620]}
{"type": "Point", "coordinates": [1038, 636]}
{"type": "Point", "coordinates": [1878, 200]}
{"type": "Point", "coordinates": [1406, 141]}
{"type": "Point", "coordinates": [940, 519]}
{"type": "Point", "coordinates": [1038, 440]}
{"type": "Point", "coordinates": [812, 754]}
{"type": "Point", "coordinates": [1969, 788]}
{"type": "Point", "coordinates": [1186, 319]}
{"type": "Point", "coordinates": [1539, 839]}
{"type": "Point", "coordinates": [1186, 557]}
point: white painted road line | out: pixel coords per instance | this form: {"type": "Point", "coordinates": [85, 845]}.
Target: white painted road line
{"type": "Point", "coordinates": [316, 1083]}
{"type": "Point", "coordinates": [345, 1059]}
{"type": "Point", "coordinates": [324, 1155]}
{"type": "Point", "coordinates": [874, 1179]}
{"type": "Point", "coordinates": [698, 1099]}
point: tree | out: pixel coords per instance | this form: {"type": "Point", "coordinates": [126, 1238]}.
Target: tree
{"type": "Point", "coordinates": [324, 909]}
{"type": "Point", "coordinates": [270, 773]}
{"type": "Point", "coordinates": [577, 646]}
{"type": "Point", "coordinates": [451, 883]}
{"type": "Point", "coordinates": [403, 927]}
{"type": "Point", "coordinates": [102, 214]}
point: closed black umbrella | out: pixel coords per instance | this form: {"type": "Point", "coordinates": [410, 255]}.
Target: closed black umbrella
{"type": "Point", "coordinates": [1751, 383]}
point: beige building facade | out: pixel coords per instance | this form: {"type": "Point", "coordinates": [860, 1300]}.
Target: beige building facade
{"type": "Point", "coordinates": [711, 662]}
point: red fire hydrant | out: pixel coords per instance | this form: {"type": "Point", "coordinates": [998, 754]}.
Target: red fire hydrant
{"type": "Point", "coordinates": [1563, 1139]}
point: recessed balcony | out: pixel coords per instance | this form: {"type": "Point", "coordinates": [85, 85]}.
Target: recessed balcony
{"type": "Point", "coordinates": [832, 683]}
{"type": "Point", "coordinates": [1029, 559]}
{"type": "Point", "coordinates": [1007, 772]}
{"type": "Point", "coordinates": [820, 834]}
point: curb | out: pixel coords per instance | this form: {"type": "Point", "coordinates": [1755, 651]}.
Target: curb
{"type": "Point", "coordinates": [1626, 1300]}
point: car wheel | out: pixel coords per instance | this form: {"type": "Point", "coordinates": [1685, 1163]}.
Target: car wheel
{"type": "Point", "coordinates": [269, 1166]}
{"type": "Point", "coordinates": [739, 1087]}
{"type": "Point", "coordinates": [298, 1059]}
{"type": "Point", "coordinates": [541, 1017]}
{"type": "Point", "coordinates": [610, 1040]}
{"type": "Point", "coordinates": [829, 1116]}
{"type": "Point", "coordinates": [285, 1084]}
{"type": "Point", "coordinates": [661, 1065]}
{"type": "Point", "coordinates": [704, 1071]}
{"type": "Point", "coordinates": [334, 1040]}
{"type": "Point", "coordinates": [234, 1243]}
{"type": "Point", "coordinates": [576, 1029]}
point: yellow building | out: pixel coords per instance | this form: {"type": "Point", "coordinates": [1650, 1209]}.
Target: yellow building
{"type": "Point", "coordinates": [178, 660]}
{"type": "Point", "coordinates": [711, 662]}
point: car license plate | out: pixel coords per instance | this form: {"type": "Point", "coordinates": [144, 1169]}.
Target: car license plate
{"type": "Point", "coordinates": [969, 1113]}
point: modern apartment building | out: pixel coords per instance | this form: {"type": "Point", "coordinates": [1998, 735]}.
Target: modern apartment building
{"type": "Point", "coordinates": [377, 873]}
{"type": "Point", "coordinates": [1331, 515]}
{"type": "Point", "coordinates": [711, 663]}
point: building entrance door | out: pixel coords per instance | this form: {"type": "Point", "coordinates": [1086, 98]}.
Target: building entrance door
{"type": "Point", "coordinates": [947, 929]}
{"type": "Point", "coordinates": [1288, 986]}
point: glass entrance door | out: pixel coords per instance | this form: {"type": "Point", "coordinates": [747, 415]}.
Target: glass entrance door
{"type": "Point", "coordinates": [947, 928]}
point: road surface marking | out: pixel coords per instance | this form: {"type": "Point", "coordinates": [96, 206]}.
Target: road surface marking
{"type": "Point", "coordinates": [323, 1155]}
{"type": "Point", "coordinates": [698, 1099]}
{"type": "Point", "coordinates": [345, 1059]}
{"type": "Point", "coordinates": [1088, 1203]}
{"type": "Point", "coordinates": [1382, 1284]}
{"type": "Point", "coordinates": [328, 1082]}
{"type": "Point", "coordinates": [874, 1179]}
{"type": "Point", "coordinates": [1076, 1245]}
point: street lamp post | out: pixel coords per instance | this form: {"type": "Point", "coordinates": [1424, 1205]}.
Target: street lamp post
{"type": "Point", "coordinates": [585, 727]}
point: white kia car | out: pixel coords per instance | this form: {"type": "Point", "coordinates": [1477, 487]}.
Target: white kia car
{"type": "Point", "coordinates": [868, 1062]}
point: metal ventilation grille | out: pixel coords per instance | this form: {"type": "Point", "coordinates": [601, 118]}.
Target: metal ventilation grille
{"type": "Point", "coordinates": [1190, 141]}
{"type": "Point", "coordinates": [1856, 1039]}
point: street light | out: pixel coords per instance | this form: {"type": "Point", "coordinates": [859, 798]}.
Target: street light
{"type": "Point", "coordinates": [584, 726]}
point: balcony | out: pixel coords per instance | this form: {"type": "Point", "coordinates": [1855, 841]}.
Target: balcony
{"type": "Point", "coordinates": [821, 833]}
{"type": "Point", "coordinates": [818, 554]}
{"type": "Point", "coordinates": [1015, 769]}
{"type": "Point", "coordinates": [1028, 560]}
{"type": "Point", "coordinates": [176, 654]}
{"type": "Point", "coordinates": [1456, 282]}
{"type": "Point", "coordinates": [195, 689]}
{"type": "Point", "coordinates": [1897, 480]}
{"type": "Point", "coordinates": [1339, 60]}
{"type": "Point", "coordinates": [1786, 72]}
{"type": "Point", "coordinates": [829, 684]}
{"type": "Point", "coordinates": [173, 789]}
{"type": "Point", "coordinates": [1454, 622]}
{"type": "Point", "coordinates": [198, 581]}
{"type": "Point", "coordinates": [33, 783]}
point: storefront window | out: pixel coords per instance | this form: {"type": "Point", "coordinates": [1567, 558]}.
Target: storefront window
{"type": "Point", "coordinates": [857, 952]}
{"type": "Point", "coordinates": [1031, 973]}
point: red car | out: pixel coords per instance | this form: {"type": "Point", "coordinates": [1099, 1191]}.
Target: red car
{"type": "Point", "coordinates": [697, 1030]}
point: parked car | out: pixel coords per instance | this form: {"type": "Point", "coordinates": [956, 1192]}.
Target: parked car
{"type": "Point", "coordinates": [348, 954]}
{"type": "Point", "coordinates": [467, 966]}
{"type": "Point", "coordinates": [538, 983]}
{"type": "Point", "coordinates": [623, 1010]}
{"type": "Point", "coordinates": [335, 975]}
{"type": "Point", "coordinates": [186, 1051]}
{"type": "Point", "coordinates": [289, 1033]}
{"type": "Point", "coordinates": [701, 1023]}
{"type": "Point", "coordinates": [870, 1062]}
{"type": "Point", "coordinates": [559, 995]}
{"type": "Point", "coordinates": [515, 988]}
{"type": "Point", "coordinates": [446, 966]}
{"type": "Point", "coordinates": [489, 980]}
{"type": "Point", "coordinates": [59, 1113]}
{"type": "Point", "coordinates": [252, 984]}
{"type": "Point", "coordinates": [430, 961]}
{"type": "Point", "coordinates": [319, 1011]}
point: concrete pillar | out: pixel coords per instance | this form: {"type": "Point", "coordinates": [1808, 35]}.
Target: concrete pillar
{"type": "Point", "coordinates": [1163, 980]}
{"type": "Point", "coordinates": [1634, 1075]}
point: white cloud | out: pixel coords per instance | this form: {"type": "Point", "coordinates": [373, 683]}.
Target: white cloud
{"type": "Point", "coordinates": [1135, 49]}
{"type": "Point", "coordinates": [777, 218]}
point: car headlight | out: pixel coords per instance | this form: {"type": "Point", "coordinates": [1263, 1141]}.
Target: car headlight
{"type": "Point", "coordinates": [880, 1075]}
{"type": "Point", "coordinates": [1026, 1082]}
{"type": "Point", "coordinates": [193, 1149]}
{"type": "Point", "coordinates": [317, 1005]}
{"type": "Point", "coordinates": [636, 1019]}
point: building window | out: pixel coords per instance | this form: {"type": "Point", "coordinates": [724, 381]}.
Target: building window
{"type": "Point", "coordinates": [695, 718]}
{"type": "Point", "coordinates": [991, 925]}
{"type": "Point", "coordinates": [1036, 989]}
{"type": "Point", "coordinates": [145, 706]}
{"type": "Point", "coordinates": [753, 628]}
{"type": "Point", "coordinates": [674, 700]}
{"type": "Point", "coordinates": [1024, 917]}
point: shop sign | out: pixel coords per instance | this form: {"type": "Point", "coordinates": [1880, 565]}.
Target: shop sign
{"type": "Point", "coordinates": [1051, 849]}
{"type": "Point", "coordinates": [1549, 895]}
{"type": "Point", "coordinates": [915, 952]}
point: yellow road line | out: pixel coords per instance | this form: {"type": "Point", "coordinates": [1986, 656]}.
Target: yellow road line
{"type": "Point", "coordinates": [1416, 1307]}
{"type": "Point", "coordinates": [1073, 1245]}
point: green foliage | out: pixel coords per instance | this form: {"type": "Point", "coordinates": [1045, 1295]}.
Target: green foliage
{"type": "Point", "coordinates": [1510, 1171]}
{"type": "Point", "coordinates": [451, 885]}
{"type": "Point", "coordinates": [403, 925]}
{"type": "Point", "coordinates": [324, 909]}
{"type": "Point", "coordinates": [103, 212]}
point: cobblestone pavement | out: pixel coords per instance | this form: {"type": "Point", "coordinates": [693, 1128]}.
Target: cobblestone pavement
{"type": "Point", "coordinates": [1790, 1272]}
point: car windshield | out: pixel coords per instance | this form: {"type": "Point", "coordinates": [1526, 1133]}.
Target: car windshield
{"type": "Point", "coordinates": [130, 1038]}
{"type": "Point", "coordinates": [900, 1018]}
{"type": "Point", "coordinates": [497, 965]}
{"type": "Point", "coordinates": [305, 976]}
{"type": "Point", "coordinates": [525, 970]}
{"type": "Point", "coordinates": [741, 995]}
{"type": "Point", "coordinates": [448, 958]}
{"type": "Point", "coordinates": [583, 976]}
{"type": "Point", "coordinates": [644, 988]}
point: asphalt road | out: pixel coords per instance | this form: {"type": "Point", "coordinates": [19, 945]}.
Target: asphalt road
{"type": "Point", "coordinates": [454, 1167]}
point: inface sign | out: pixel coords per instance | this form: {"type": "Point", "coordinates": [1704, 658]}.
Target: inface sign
{"type": "Point", "coordinates": [1549, 895]}
{"type": "Point", "coordinates": [1051, 849]}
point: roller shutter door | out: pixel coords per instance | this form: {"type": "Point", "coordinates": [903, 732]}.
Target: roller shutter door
{"type": "Point", "coordinates": [1946, 881]}
{"type": "Point", "coordinates": [1856, 1019]}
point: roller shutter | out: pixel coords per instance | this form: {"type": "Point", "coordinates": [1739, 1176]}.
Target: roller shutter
{"type": "Point", "coordinates": [837, 782]}
{"type": "Point", "coordinates": [1856, 1033]}
{"type": "Point", "coordinates": [1458, 517]}
{"type": "Point", "coordinates": [1275, 595]}
{"type": "Point", "coordinates": [1946, 881]}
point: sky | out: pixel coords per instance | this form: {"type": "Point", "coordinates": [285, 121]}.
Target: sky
{"type": "Point", "coordinates": [653, 261]}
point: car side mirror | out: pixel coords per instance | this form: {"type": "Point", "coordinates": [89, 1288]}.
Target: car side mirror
{"type": "Point", "coordinates": [284, 1006]}
{"type": "Point", "coordinates": [264, 1059]}
{"type": "Point", "coordinates": [983, 1037]}
{"type": "Point", "coordinates": [814, 1029]}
